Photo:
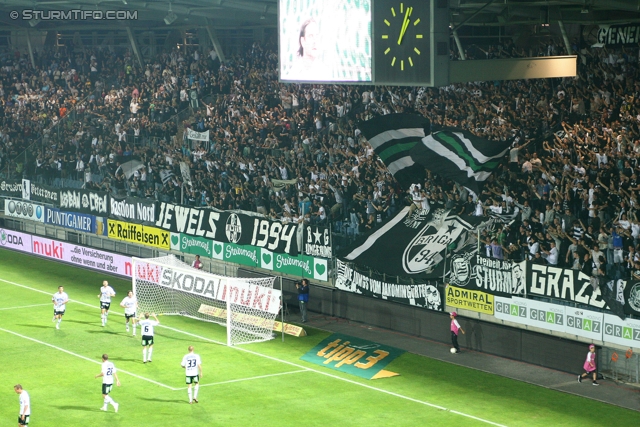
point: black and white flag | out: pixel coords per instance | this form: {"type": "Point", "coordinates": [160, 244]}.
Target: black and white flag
{"type": "Point", "coordinates": [416, 243]}
{"type": "Point", "coordinates": [403, 143]}
{"type": "Point", "coordinates": [166, 175]}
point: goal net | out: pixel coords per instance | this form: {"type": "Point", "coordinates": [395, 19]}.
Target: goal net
{"type": "Point", "coordinates": [246, 306]}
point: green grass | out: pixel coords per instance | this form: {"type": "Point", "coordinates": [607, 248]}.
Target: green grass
{"type": "Point", "coordinates": [249, 385]}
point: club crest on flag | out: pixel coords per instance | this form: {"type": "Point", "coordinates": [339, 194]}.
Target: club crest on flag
{"type": "Point", "coordinates": [634, 297]}
{"type": "Point", "coordinates": [424, 252]}
{"type": "Point", "coordinates": [461, 269]}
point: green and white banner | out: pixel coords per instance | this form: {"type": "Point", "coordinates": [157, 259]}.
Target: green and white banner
{"type": "Point", "coordinates": [530, 312]}
{"type": "Point", "coordinates": [621, 332]}
{"type": "Point", "coordinates": [302, 265]}
{"type": "Point", "coordinates": [554, 317]}
{"type": "Point", "coordinates": [584, 323]}
{"type": "Point", "coordinates": [192, 245]}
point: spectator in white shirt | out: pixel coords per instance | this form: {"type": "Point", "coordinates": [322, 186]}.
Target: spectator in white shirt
{"type": "Point", "coordinates": [551, 255]}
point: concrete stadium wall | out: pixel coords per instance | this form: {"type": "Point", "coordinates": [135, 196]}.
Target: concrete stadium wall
{"type": "Point", "coordinates": [514, 343]}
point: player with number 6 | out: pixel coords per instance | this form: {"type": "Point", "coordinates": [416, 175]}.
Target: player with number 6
{"type": "Point", "coordinates": [146, 330]}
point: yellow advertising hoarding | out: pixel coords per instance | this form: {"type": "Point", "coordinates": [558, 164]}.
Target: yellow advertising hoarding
{"type": "Point", "coordinates": [139, 234]}
{"type": "Point", "coordinates": [466, 299]}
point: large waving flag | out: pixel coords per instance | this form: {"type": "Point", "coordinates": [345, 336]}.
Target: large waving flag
{"type": "Point", "coordinates": [401, 142]}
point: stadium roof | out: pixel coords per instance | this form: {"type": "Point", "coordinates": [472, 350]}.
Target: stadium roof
{"type": "Point", "coordinates": [263, 13]}
{"type": "Point", "coordinates": [532, 12]}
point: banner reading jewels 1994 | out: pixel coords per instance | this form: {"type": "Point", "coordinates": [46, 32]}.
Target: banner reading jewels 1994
{"type": "Point", "coordinates": [229, 227]}
{"type": "Point", "coordinates": [420, 295]}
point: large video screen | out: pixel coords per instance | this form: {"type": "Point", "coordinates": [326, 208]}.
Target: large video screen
{"type": "Point", "coordinates": [325, 40]}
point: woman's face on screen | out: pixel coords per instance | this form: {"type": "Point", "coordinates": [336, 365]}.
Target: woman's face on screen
{"type": "Point", "coordinates": [309, 41]}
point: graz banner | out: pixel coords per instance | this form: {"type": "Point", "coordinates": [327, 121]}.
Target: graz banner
{"type": "Point", "coordinates": [465, 299]}
{"type": "Point", "coordinates": [317, 241]}
{"type": "Point", "coordinates": [415, 244]}
{"type": "Point", "coordinates": [24, 210]}
{"type": "Point", "coordinates": [228, 227]}
{"type": "Point", "coordinates": [564, 284]}
{"type": "Point", "coordinates": [85, 201]}
{"type": "Point", "coordinates": [139, 234]}
{"type": "Point", "coordinates": [622, 332]}
{"type": "Point", "coordinates": [494, 276]}
{"type": "Point", "coordinates": [554, 317]}
{"type": "Point", "coordinates": [11, 188]}
{"type": "Point", "coordinates": [40, 192]}
{"type": "Point", "coordinates": [420, 295]}
{"type": "Point", "coordinates": [133, 209]}
{"type": "Point", "coordinates": [616, 35]}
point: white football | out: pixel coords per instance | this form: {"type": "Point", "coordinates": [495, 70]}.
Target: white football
{"type": "Point", "coordinates": [453, 350]}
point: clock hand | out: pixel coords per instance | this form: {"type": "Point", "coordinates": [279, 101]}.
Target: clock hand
{"type": "Point", "coordinates": [405, 23]}
{"type": "Point", "coordinates": [403, 28]}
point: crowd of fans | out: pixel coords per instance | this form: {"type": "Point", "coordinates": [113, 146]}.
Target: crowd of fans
{"type": "Point", "coordinates": [567, 192]}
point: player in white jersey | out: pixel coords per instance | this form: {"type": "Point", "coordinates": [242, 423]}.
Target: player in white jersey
{"type": "Point", "coordinates": [146, 330]}
{"type": "Point", "coordinates": [106, 292]}
{"type": "Point", "coordinates": [193, 372]}
{"type": "Point", "coordinates": [108, 373]}
{"type": "Point", "coordinates": [60, 300]}
{"type": "Point", "coordinates": [25, 405]}
{"type": "Point", "coordinates": [130, 304]}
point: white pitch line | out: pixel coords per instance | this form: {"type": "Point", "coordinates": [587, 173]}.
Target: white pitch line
{"type": "Point", "coordinates": [25, 306]}
{"type": "Point", "coordinates": [249, 379]}
{"type": "Point", "coordinates": [327, 374]}
{"type": "Point", "coordinates": [84, 357]}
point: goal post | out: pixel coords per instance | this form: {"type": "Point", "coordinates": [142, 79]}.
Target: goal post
{"type": "Point", "coordinates": [247, 307]}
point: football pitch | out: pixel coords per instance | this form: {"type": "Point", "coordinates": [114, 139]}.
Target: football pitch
{"type": "Point", "coordinates": [264, 384]}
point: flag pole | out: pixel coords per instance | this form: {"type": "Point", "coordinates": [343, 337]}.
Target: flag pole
{"type": "Point", "coordinates": [444, 266]}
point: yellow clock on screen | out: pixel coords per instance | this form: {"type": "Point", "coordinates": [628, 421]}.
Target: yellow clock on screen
{"type": "Point", "coordinates": [402, 41]}
{"type": "Point", "coordinates": [405, 32]}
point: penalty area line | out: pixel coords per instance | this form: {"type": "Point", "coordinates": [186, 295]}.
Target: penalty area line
{"type": "Point", "coordinates": [250, 378]}
{"type": "Point", "coordinates": [25, 306]}
{"type": "Point", "coordinates": [84, 358]}
{"type": "Point", "coordinates": [327, 374]}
